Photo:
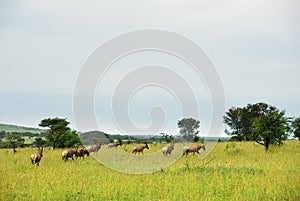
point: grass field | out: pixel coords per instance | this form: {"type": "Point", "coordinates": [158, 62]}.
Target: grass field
{"type": "Point", "coordinates": [232, 171]}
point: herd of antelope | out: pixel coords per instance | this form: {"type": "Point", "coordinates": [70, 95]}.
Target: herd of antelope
{"type": "Point", "coordinates": [70, 153]}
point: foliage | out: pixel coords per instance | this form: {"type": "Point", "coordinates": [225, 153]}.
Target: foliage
{"type": "Point", "coordinates": [271, 128]}
{"type": "Point", "coordinates": [233, 119]}
{"type": "Point", "coordinates": [14, 140]}
{"type": "Point", "coordinates": [240, 120]}
{"type": "Point", "coordinates": [59, 135]}
{"type": "Point", "coordinates": [167, 138]}
{"type": "Point", "coordinates": [296, 127]}
{"type": "Point", "coordinates": [39, 142]}
{"type": "Point", "coordinates": [260, 122]}
{"type": "Point", "coordinates": [188, 128]}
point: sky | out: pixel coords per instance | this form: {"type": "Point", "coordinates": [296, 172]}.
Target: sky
{"type": "Point", "coordinates": [254, 46]}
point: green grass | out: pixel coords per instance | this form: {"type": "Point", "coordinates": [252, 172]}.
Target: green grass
{"type": "Point", "coordinates": [232, 171]}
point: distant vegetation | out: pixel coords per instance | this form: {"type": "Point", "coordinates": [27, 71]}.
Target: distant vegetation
{"type": "Point", "coordinates": [20, 129]}
{"type": "Point", "coordinates": [13, 136]}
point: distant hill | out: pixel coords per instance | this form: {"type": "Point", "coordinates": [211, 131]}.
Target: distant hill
{"type": "Point", "coordinates": [21, 129]}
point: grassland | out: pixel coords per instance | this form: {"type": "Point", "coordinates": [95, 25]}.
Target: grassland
{"type": "Point", "coordinates": [232, 171]}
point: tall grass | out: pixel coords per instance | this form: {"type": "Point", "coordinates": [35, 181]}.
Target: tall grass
{"type": "Point", "coordinates": [239, 171]}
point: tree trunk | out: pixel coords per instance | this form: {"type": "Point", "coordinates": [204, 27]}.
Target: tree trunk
{"type": "Point", "coordinates": [14, 149]}
{"type": "Point", "coordinates": [267, 143]}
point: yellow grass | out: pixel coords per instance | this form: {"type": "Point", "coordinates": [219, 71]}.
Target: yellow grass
{"type": "Point", "coordinates": [232, 171]}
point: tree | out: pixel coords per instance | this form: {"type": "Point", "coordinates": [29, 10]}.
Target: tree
{"type": "Point", "coordinates": [39, 142]}
{"type": "Point", "coordinates": [14, 140]}
{"type": "Point", "coordinates": [296, 127]}
{"type": "Point", "coordinates": [251, 113]}
{"type": "Point", "coordinates": [167, 138]}
{"type": "Point", "coordinates": [188, 128]}
{"type": "Point", "coordinates": [59, 134]}
{"type": "Point", "coordinates": [271, 128]}
{"type": "Point", "coordinates": [69, 139]}
{"type": "Point", "coordinates": [233, 118]}
{"type": "Point", "coordinates": [240, 120]}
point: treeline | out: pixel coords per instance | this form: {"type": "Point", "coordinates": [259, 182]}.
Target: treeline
{"type": "Point", "coordinates": [24, 134]}
{"type": "Point", "coordinates": [16, 139]}
{"type": "Point", "coordinates": [94, 137]}
{"type": "Point", "coordinates": [259, 122]}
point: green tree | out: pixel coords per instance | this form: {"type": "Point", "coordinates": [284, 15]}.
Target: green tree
{"type": "Point", "coordinates": [39, 142]}
{"type": "Point", "coordinates": [251, 113]}
{"type": "Point", "coordinates": [188, 128]}
{"type": "Point", "coordinates": [14, 140]}
{"type": "Point", "coordinates": [271, 128]}
{"type": "Point", "coordinates": [240, 120]}
{"type": "Point", "coordinates": [233, 118]}
{"type": "Point", "coordinates": [59, 134]}
{"type": "Point", "coordinates": [69, 139]}
{"type": "Point", "coordinates": [296, 127]}
{"type": "Point", "coordinates": [167, 138]}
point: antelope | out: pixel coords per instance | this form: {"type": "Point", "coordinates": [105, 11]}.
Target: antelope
{"type": "Point", "coordinates": [94, 148]}
{"type": "Point", "coordinates": [37, 157]}
{"type": "Point", "coordinates": [69, 154]}
{"type": "Point", "coordinates": [82, 152]}
{"type": "Point", "coordinates": [139, 149]}
{"type": "Point", "coordinates": [114, 144]}
{"type": "Point", "coordinates": [193, 148]}
{"type": "Point", "coordinates": [167, 150]}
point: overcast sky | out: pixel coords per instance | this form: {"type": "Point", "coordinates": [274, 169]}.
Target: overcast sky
{"type": "Point", "coordinates": [255, 46]}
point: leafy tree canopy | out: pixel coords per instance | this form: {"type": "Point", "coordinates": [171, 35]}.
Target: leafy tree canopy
{"type": "Point", "coordinates": [59, 134]}
{"type": "Point", "coordinates": [296, 127]}
{"type": "Point", "coordinates": [14, 140]}
{"type": "Point", "coordinates": [188, 128]}
{"type": "Point", "coordinates": [260, 122]}
{"type": "Point", "coordinates": [271, 128]}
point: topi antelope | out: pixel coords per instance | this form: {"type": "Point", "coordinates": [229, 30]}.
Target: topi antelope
{"type": "Point", "coordinates": [37, 157]}
{"type": "Point", "coordinates": [193, 148]}
{"type": "Point", "coordinates": [167, 150]}
{"type": "Point", "coordinates": [69, 154]}
{"type": "Point", "coordinates": [139, 149]}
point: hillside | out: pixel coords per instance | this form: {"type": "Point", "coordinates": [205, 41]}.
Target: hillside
{"type": "Point", "coordinates": [21, 129]}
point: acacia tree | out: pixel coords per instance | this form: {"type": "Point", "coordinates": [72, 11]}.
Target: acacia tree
{"type": "Point", "coordinates": [14, 140]}
{"type": "Point", "coordinates": [39, 142]}
{"type": "Point", "coordinates": [296, 127]}
{"type": "Point", "coordinates": [271, 128]}
{"type": "Point", "coordinates": [59, 134]}
{"type": "Point", "coordinates": [188, 128]}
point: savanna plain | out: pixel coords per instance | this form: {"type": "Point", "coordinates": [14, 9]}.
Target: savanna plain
{"type": "Point", "coordinates": [231, 171]}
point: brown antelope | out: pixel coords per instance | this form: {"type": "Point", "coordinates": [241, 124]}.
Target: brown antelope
{"type": "Point", "coordinates": [114, 144]}
{"type": "Point", "coordinates": [94, 148]}
{"type": "Point", "coordinates": [167, 150]}
{"type": "Point", "coordinates": [82, 152]}
{"type": "Point", "coordinates": [37, 157]}
{"type": "Point", "coordinates": [193, 148]}
{"type": "Point", "coordinates": [69, 154]}
{"type": "Point", "coordinates": [139, 149]}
